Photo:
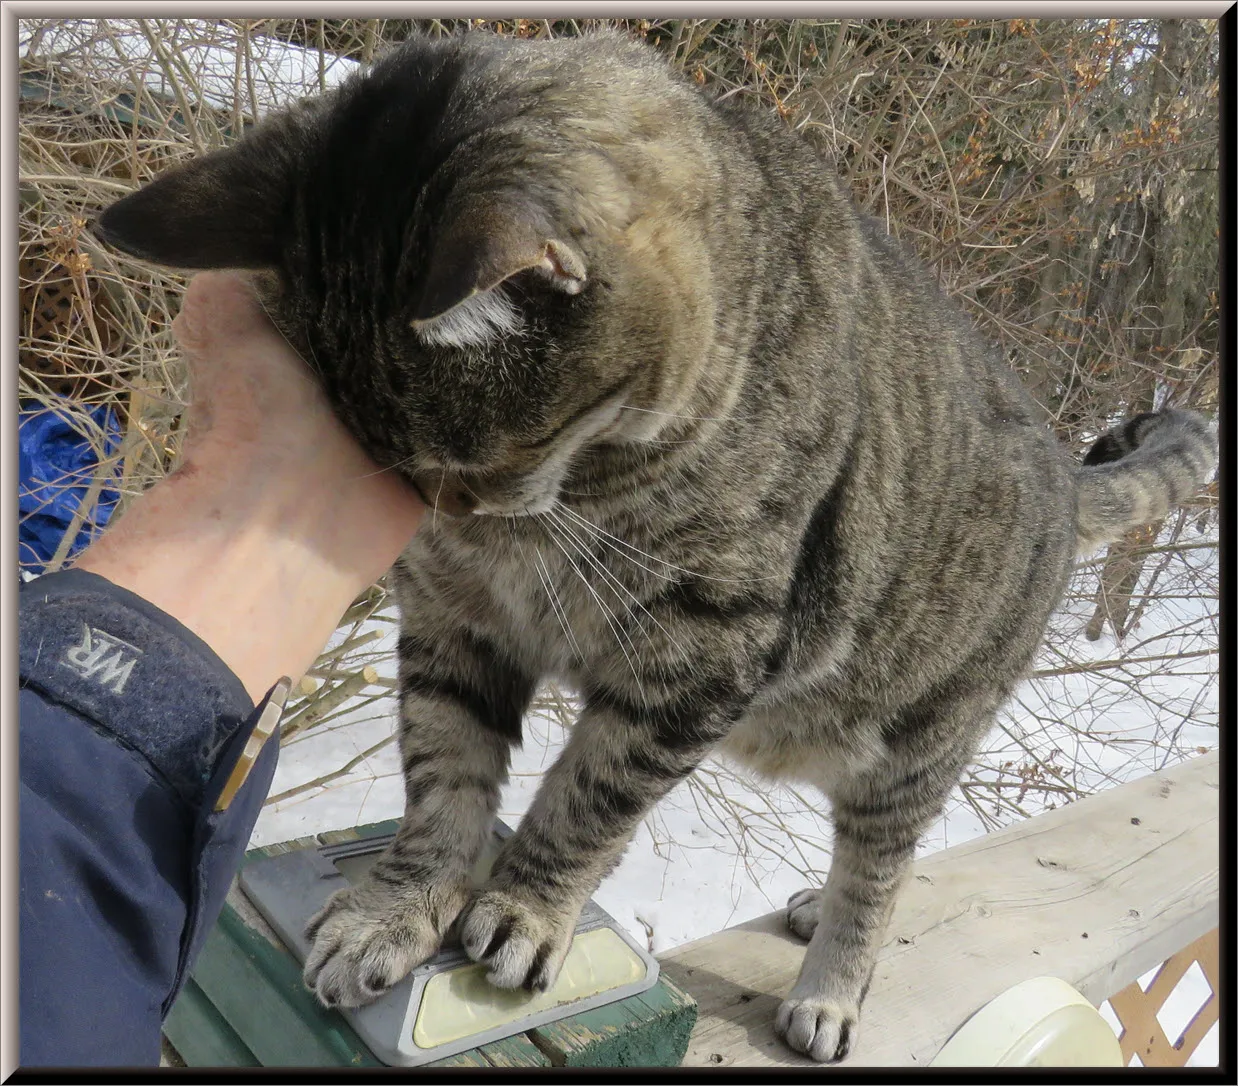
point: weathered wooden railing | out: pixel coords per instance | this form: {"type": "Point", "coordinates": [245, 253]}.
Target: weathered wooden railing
{"type": "Point", "coordinates": [1096, 893]}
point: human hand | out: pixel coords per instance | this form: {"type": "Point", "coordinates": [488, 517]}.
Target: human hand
{"type": "Point", "coordinates": [260, 423]}
{"type": "Point", "coordinates": [276, 519]}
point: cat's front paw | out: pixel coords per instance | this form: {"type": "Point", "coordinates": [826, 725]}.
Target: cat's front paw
{"type": "Point", "coordinates": [523, 943]}
{"type": "Point", "coordinates": [368, 937]}
{"type": "Point", "coordinates": [804, 912]}
{"type": "Point", "coordinates": [821, 1028]}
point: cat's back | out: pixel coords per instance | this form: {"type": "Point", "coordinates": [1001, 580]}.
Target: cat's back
{"type": "Point", "coordinates": [936, 512]}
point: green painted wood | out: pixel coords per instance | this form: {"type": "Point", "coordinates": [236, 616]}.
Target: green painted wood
{"type": "Point", "coordinates": [674, 1012]}
{"type": "Point", "coordinates": [648, 1030]}
{"type": "Point", "coordinates": [516, 1051]}
{"type": "Point", "coordinates": [278, 850]}
{"type": "Point", "coordinates": [358, 833]}
{"type": "Point", "coordinates": [201, 1036]}
{"type": "Point", "coordinates": [257, 989]}
{"type": "Point", "coordinates": [471, 1058]}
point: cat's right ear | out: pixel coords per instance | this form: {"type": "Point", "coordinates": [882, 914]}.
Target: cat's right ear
{"type": "Point", "coordinates": [218, 211]}
{"type": "Point", "coordinates": [484, 244]}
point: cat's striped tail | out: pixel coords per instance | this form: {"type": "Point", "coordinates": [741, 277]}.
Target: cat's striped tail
{"type": "Point", "coordinates": [1139, 472]}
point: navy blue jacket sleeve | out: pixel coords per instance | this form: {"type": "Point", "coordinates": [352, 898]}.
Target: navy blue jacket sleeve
{"type": "Point", "coordinates": [130, 727]}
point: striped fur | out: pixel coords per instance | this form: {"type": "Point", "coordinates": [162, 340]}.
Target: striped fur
{"type": "Point", "coordinates": [749, 483]}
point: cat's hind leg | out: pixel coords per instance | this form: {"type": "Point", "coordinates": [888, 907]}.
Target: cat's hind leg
{"type": "Point", "coordinates": [462, 701]}
{"type": "Point", "coordinates": [879, 817]}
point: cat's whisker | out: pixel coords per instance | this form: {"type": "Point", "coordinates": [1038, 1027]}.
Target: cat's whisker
{"type": "Point", "coordinates": [556, 603]}
{"type": "Point", "coordinates": [580, 547]}
{"type": "Point", "coordinates": [612, 622]}
{"type": "Point", "coordinates": [579, 552]}
{"type": "Point", "coordinates": [313, 364]}
{"type": "Point", "coordinates": [607, 614]}
{"type": "Point", "coordinates": [609, 541]}
{"type": "Point", "coordinates": [390, 467]}
{"type": "Point", "coordinates": [543, 575]}
{"type": "Point", "coordinates": [442, 478]}
{"type": "Point", "coordinates": [666, 443]}
{"type": "Point", "coordinates": [614, 539]}
{"type": "Point", "coordinates": [280, 332]}
{"type": "Point", "coordinates": [621, 587]}
{"type": "Point", "coordinates": [674, 415]}
{"type": "Point", "coordinates": [316, 365]}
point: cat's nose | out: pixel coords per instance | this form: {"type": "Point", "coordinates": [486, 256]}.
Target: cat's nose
{"type": "Point", "coordinates": [444, 494]}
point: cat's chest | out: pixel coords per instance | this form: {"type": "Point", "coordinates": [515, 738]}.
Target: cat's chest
{"type": "Point", "coordinates": [560, 599]}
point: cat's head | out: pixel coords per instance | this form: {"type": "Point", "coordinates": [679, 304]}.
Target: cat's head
{"type": "Point", "coordinates": [491, 251]}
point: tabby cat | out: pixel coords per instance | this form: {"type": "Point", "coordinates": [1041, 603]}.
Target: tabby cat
{"type": "Point", "coordinates": [700, 442]}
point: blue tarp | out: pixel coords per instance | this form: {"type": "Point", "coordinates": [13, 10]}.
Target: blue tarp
{"type": "Point", "coordinates": [57, 464]}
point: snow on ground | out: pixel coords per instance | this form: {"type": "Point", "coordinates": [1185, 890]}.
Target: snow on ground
{"type": "Point", "coordinates": [198, 57]}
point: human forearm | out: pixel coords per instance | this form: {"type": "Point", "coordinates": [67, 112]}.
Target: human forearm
{"type": "Point", "coordinates": [261, 578]}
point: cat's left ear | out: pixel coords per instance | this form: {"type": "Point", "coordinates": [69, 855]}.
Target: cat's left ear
{"type": "Point", "coordinates": [219, 211]}
{"type": "Point", "coordinates": [480, 250]}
